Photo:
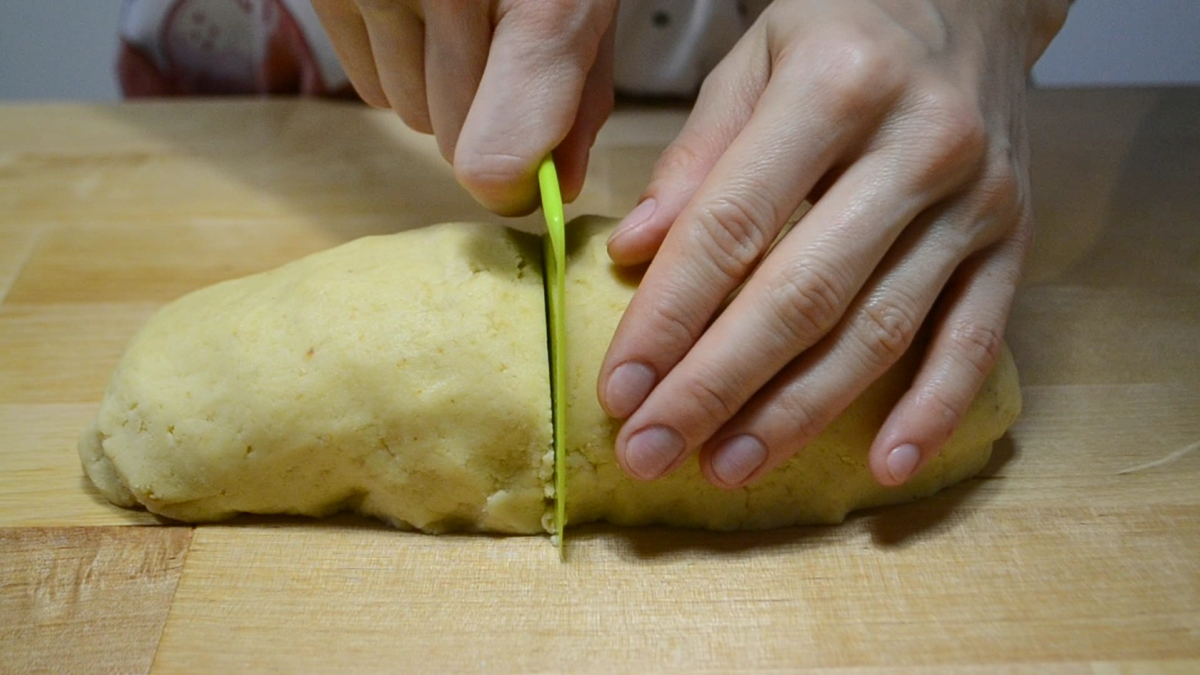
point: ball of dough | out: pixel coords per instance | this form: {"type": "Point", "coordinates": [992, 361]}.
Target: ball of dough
{"type": "Point", "coordinates": [406, 377]}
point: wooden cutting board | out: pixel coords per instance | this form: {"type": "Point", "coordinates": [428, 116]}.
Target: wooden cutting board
{"type": "Point", "coordinates": [1073, 551]}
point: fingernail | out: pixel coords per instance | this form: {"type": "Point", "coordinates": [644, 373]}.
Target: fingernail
{"type": "Point", "coordinates": [638, 217]}
{"type": "Point", "coordinates": [902, 461]}
{"type": "Point", "coordinates": [649, 452]}
{"type": "Point", "coordinates": [627, 387]}
{"type": "Point", "coordinates": [737, 458]}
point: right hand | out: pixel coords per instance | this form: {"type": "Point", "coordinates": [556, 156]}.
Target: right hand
{"type": "Point", "coordinates": [499, 83]}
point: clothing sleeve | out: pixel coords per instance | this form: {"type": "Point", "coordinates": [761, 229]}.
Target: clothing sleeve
{"type": "Point", "coordinates": [208, 47]}
{"type": "Point", "coordinates": [205, 47]}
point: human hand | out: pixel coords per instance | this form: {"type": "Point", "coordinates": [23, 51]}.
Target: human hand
{"type": "Point", "coordinates": [499, 83]}
{"type": "Point", "coordinates": [903, 122]}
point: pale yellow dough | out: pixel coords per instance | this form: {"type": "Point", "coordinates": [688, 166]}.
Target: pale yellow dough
{"type": "Point", "coordinates": [406, 377]}
{"type": "Point", "coordinates": [402, 376]}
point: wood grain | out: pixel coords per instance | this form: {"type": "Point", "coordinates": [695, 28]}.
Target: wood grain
{"type": "Point", "coordinates": [908, 587]}
{"type": "Point", "coordinates": [17, 243]}
{"type": "Point", "coordinates": [86, 599]}
{"type": "Point", "coordinates": [1053, 560]}
{"type": "Point", "coordinates": [51, 353]}
{"type": "Point", "coordinates": [42, 483]}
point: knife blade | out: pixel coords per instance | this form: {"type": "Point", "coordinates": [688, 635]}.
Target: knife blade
{"type": "Point", "coordinates": [555, 254]}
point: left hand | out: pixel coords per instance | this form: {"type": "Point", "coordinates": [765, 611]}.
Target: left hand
{"type": "Point", "coordinates": [903, 122]}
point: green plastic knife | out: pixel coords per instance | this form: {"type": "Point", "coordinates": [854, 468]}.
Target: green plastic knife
{"type": "Point", "coordinates": [555, 247]}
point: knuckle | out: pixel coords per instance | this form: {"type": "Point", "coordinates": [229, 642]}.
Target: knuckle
{"type": "Point", "coordinates": [978, 346]}
{"type": "Point", "coordinates": [732, 232]}
{"type": "Point", "coordinates": [564, 21]}
{"type": "Point", "coordinates": [957, 137]}
{"type": "Point", "coordinates": [552, 12]}
{"type": "Point", "coordinates": [807, 300]}
{"type": "Point", "coordinates": [675, 325]}
{"type": "Point", "coordinates": [674, 322]}
{"type": "Point", "coordinates": [1001, 191]}
{"type": "Point", "coordinates": [679, 159]}
{"type": "Point", "coordinates": [947, 411]}
{"type": "Point", "coordinates": [887, 329]}
{"type": "Point", "coordinates": [716, 402]}
{"type": "Point", "coordinates": [803, 420]}
{"type": "Point", "coordinates": [856, 72]}
{"type": "Point", "coordinates": [996, 209]}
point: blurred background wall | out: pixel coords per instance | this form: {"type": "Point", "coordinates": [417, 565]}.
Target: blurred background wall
{"type": "Point", "coordinates": [65, 49]}
{"type": "Point", "coordinates": [58, 49]}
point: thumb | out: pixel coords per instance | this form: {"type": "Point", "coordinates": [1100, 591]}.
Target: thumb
{"type": "Point", "coordinates": [528, 100]}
